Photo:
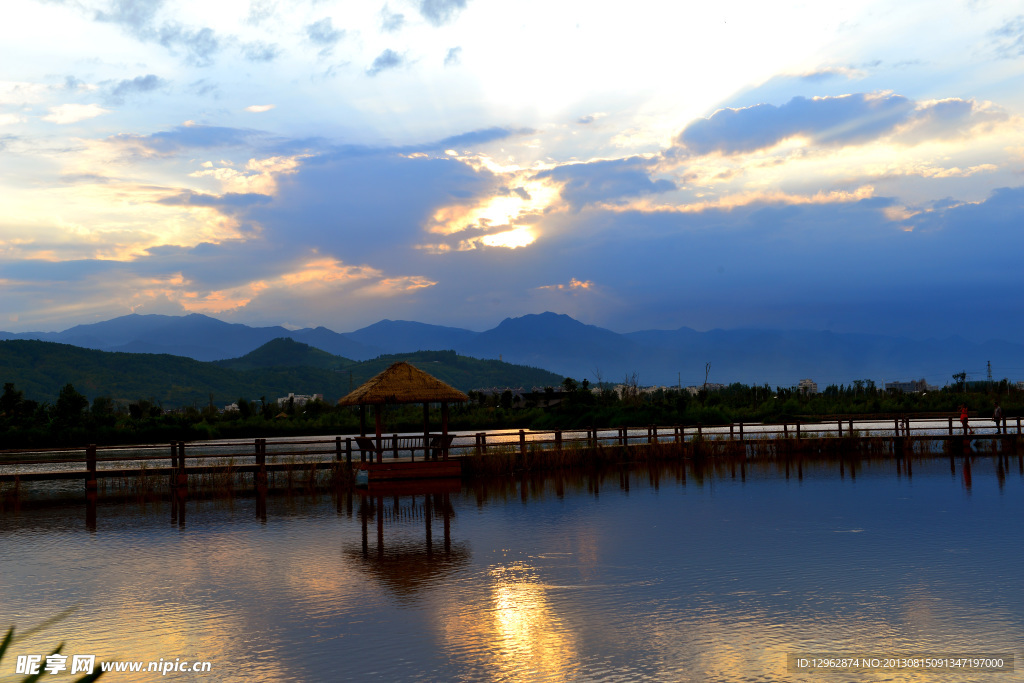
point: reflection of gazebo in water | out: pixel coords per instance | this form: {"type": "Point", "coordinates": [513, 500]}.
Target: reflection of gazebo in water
{"type": "Point", "coordinates": [403, 383]}
{"type": "Point", "coordinates": [405, 566]}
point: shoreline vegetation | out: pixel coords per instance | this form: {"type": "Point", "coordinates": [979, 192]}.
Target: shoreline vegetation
{"type": "Point", "coordinates": [73, 421]}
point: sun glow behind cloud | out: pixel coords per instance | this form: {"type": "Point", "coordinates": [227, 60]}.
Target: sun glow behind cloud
{"type": "Point", "coordinates": [498, 220]}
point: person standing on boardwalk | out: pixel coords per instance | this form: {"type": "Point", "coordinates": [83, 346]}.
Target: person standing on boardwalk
{"type": "Point", "coordinates": [963, 418]}
{"type": "Point", "coordinates": [997, 416]}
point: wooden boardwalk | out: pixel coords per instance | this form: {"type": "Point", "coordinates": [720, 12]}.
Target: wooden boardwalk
{"type": "Point", "coordinates": [179, 460]}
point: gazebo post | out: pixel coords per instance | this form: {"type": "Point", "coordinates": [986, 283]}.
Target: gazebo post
{"type": "Point", "coordinates": [444, 430]}
{"type": "Point", "coordinates": [426, 431]}
{"type": "Point", "coordinates": [362, 419]}
{"type": "Point", "coordinates": [377, 419]}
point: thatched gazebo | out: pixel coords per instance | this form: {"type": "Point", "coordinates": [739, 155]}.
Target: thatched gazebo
{"type": "Point", "coordinates": [403, 383]}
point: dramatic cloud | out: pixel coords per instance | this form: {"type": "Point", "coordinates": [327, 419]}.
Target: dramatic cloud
{"type": "Point", "coordinates": [461, 162]}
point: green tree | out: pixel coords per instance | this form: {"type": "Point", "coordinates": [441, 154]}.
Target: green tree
{"type": "Point", "coordinates": [67, 412]}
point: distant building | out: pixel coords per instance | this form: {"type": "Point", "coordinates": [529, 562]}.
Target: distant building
{"type": "Point", "coordinates": [807, 386]}
{"type": "Point", "coordinates": [710, 386]}
{"type": "Point", "coordinates": [918, 387]}
{"type": "Point", "coordinates": [299, 399]}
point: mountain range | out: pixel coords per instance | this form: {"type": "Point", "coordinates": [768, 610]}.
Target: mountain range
{"type": "Point", "coordinates": [567, 347]}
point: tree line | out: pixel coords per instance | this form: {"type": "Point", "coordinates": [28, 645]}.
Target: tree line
{"type": "Point", "coordinates": [72, 420]}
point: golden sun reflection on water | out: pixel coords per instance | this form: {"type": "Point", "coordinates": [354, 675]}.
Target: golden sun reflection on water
{"type": "Point", "coordinates": [519, 634]}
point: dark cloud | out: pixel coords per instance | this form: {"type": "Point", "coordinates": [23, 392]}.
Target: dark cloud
{"type": "Point", "coordinates": [323, 33]}
{"type": "Point", "coordinates": [586, 119]}
{"type": "Point", "coordinates": [260, 52]}
{"type": "Point", "coordinates": [366, 208]}
{"type": "Point", "coordinates": [799, 266]}
{"type": "Point", "coordinates": [453, 57]}
{"type": "Point", "coordinates": [600, 181]}
{"type": "Point", "coordinates": [230, 200]}
{"type": "Point", "coordinates": [181, 138]}
{"type": "Point", "coordinates": [523, 194]}
{"type": "Point", "coordinates": [440, 12]}
{"type": "Point", "coordinates": [391, 21]}
{"type": "Point", "coordinates": [140, 84]}
{"type": "Point", "coordinates": [477, 137]}
{"type": "Point", "coordinates": [389, 59]}
{"type": "Point", "coordinates": [841, 120]}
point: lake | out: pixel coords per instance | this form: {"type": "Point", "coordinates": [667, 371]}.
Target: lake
{"type": "Point", "coordinates": [695, 572]}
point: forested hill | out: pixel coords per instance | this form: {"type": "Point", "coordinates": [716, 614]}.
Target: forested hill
{"type": "Point", "coordinates": [40, 369]}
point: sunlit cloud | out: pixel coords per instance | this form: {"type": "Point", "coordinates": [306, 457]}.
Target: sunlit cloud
{"type": "Point", "coordinates": [73, 113]}
{"type": "Point", "coordinates": [733, 201]}
{"type": "Point", "coordinates": [259, 108]}
{"type": "Point", "coordinates": [259, 175]}
{"type": "Point", "coordinates": [498, 220]}
{"type": "Point", "coordinates": [573, 284]}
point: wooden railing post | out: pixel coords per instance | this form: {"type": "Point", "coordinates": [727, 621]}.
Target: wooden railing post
{"type": "Point", "coordinates": [522, 443]}
{"type": "Point", "coordinates": [741, 431]}
{"type": "Point", "coordinates": [90, 467]}
{"type": "Point", "coordinates": [348, 450]}
{"type": "Point", "coordinates": [785, 430]}
{"type": "Point", "coordinates": [731, 431]}
{"type": "Point", "coordinates": [558, 439]}
{"type": "Point", "coordinates": [182, 475]}
{"type": "Point", "coordinates": [840, 427]}
{"type": "Point", "coordinates": [337, 449]}
{"type": "Point", "coordinates": [624, 435]}
{"type": "Point", "coordinates": [798, 430]}
{"type": "Point", "coordinates": [394, 446]}
{"type": "Point", "coordinates": [654, 434]}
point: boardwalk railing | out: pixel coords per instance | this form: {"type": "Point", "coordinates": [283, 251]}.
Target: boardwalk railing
{"type": "Point", "coordinates": [260, 456]}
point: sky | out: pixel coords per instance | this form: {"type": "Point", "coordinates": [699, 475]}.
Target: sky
{"type": "Point", "coordinates": [852, 166]}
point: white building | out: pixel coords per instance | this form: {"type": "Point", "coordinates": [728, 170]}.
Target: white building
{"type": "Point", "coordinates": [807, 386]}
{"type": "Point", "coordinates": [299, 399]}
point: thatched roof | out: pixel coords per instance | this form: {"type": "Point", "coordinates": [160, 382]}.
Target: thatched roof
{"type": "Point", "coordinates": [403, 383]}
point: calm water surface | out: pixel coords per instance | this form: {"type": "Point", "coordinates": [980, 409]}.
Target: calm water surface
{"type": "Point", "coordinates": [670, 573]}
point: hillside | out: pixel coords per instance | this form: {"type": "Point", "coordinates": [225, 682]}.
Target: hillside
{"type": "Point", "coordinates": [40, 369]}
